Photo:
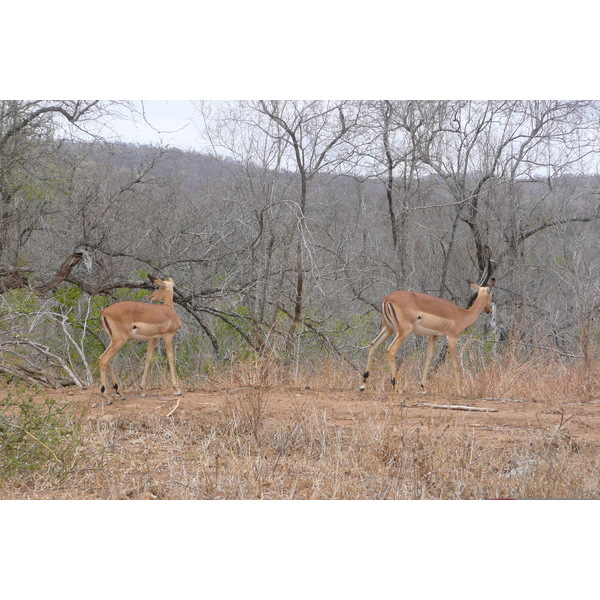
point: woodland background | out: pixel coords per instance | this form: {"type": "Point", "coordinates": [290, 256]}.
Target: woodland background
{"type": "Point", "coordinates": [285, 235]}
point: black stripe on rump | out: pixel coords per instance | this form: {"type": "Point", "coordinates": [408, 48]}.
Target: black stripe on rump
{"type": "Point", "coordinates": [390, 315]}
{"type": "Point", "coordinates": [107, 326]}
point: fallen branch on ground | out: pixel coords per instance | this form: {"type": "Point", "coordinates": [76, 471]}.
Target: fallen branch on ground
{"type": "Point", "coordinates": [174, 409]}
{"type": "Point", "coordinates": [502, 400]}
{"type": "Point", "coordinates": [452, 407]}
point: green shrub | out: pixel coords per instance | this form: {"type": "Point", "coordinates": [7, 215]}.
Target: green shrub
{"type": "Point", "coordinates": [35, 434]}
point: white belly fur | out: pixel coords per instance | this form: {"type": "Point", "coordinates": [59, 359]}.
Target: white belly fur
{"type": "Point", "coordinates": [137, 335]}
{"type": "Point", "coordinates": [420, 330]}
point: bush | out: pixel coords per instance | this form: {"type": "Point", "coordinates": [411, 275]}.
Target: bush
{"type": "Point", "coordinates": [36, 435]}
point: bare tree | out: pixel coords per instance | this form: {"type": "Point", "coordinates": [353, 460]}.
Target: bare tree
{"type": "Point", "coordinates": [476, 146]}
{"type": "Point", "coordinates": [31, 165]}
{"type": "Point", "coordinates": [313, 133]}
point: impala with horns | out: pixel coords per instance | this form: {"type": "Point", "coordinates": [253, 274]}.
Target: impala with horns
{"type": "Point", "coordinates": [140, 321]}
{"type": "Point", "coordinates": [405, 312]}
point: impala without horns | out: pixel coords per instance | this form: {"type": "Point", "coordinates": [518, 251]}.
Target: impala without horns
{"type": "Point", "coordinates": [405, 312]}
{"type": "Point", "coordinates": [141, 321]}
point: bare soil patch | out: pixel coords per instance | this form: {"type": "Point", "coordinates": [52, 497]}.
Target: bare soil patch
{"type": "Point", "coordinates": [496, 421]}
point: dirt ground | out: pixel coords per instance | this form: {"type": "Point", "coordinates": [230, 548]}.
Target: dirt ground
{"type": "Point", "coordinates": [494, 422]}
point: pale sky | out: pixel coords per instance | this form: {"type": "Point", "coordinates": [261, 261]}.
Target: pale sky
{"type": "Point", "coordinates": [167, 123]}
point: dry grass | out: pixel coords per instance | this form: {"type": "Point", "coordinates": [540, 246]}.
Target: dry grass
{"type": "Point", "coordinates": [245, 452]}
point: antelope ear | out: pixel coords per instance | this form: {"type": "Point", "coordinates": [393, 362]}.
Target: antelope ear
{"type": "Point", "coordinates": [170, 279]}
{"type": "Point", "coordinates": [473, 285]}
{"type": "Point", "coordinates": [492, 282]}
{"type": "Point", "coordinates": [156, 281]}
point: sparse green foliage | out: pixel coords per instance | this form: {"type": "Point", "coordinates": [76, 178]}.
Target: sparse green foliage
{"type": "Point", "coordinates": [20, 301]}
{"type": "Point", "coordinates": [36, 434]}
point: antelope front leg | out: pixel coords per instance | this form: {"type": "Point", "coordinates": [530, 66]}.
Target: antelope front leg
{"type": "Point", "coordinates": [452, 352]}
{"type": "Point", "coordinates": [430, 349]}
{"type": "Point", "coordinates": [149, 353]}
{"type": "Point", "coordinates": [171, 356]}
